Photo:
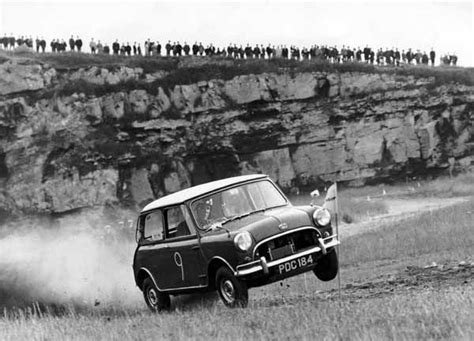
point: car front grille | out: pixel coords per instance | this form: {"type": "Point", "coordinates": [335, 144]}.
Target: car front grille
{"type": "Point", "coordinates": [288, 244]}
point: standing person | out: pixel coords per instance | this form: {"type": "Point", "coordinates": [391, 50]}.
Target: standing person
{"type": "Point", "coordinates": [147, 42]}
{"type": "Point", "coordinates": [29, 42]}
{"type": "Point", "coordinates": [11, 41]}
{"type": "Point", "coordinates": [241, 52]}
{"type": "Point", "coordinates": [4, 41]}
{"type": "Point", "coordinates": [358, 54]}
{"type": "Point", "coordinates": [179, 49]}
{"type": "Point", "coordinates": [344, 53]}
{"type": "Point", "coordinates": [116, 47]}
{"type": "Point", "coordinates": [379, 56]}
{"type": "Point", "coordinates": [134, 48]}
{"type": "Point", "coordinates": [93, 46]}
{"type": "Point", "coordinates": [424, 58]}
{"type": "Point", "coordinates": [128, 49]}
{"type": "Point", "coordinates": [230, 50]}
{"type": "Point", "coordinates": [158, 48]}
{"type": "Point", "coordinates": [38, 44]}
{"type": "Point", "coordinates": [42, 44]}
{"type": "Point", "coordinates": [53, 45]}
{"type": "Point", "coordinates": [186, 49]}
{"type": "Point", "coordinates": [432, 56]}
{"type": "Point", "coordinates": [366, 53]}
{"type": "Point", "coordinates": [256, 52]}
{"type": "Point", "coordinates": [151, 48]}
{"type": "Point", "coordinates": [78, 43]}
{"type": "Point", "coordinates": [397, 57]}
{"type": "Point", "coordinates": [270, 51]}
{"type": "Point", "coordinates": [248, 51]}
{"type": "Point", "coordinates": [20, 41]}
{"type": "Point", "coordinates": [100, 47]}
{"type": "Point", "coordinates": [409, 56]}
{"type": "Point", "coordinates": [388, 56]}
{"type": "Point", "coordinates": [72, 43]}
{"type": "Point", "coordinates": [418, 57]}
{"type": "Point", "coordinates": [168, 48]}
{"type": "Point", "coordinates": [454, 59]}
{"type": "Point", "coordinates": [195, 48]}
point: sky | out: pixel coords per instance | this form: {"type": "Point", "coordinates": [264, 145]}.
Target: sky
{"type": "Point", "coordinates": [419, 24]}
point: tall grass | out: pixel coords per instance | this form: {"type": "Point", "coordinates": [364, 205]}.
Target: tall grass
{"type": "Point", "coordinates": [445, 314]}
{"type": "Point", "coordinates": [448, 229]}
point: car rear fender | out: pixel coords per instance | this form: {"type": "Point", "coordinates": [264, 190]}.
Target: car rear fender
{"type": "Point", "coordinates": [143, 274]}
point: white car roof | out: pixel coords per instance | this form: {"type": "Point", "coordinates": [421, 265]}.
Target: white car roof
{"type": "Point", "coordinates": [196, 191]}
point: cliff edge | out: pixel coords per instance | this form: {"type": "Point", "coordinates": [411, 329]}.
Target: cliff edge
{"type": "Point", "coordinates": [92, 135]}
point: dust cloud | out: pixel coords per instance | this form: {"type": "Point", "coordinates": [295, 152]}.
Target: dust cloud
{"type": "Point", "coordinates": [75, 263]}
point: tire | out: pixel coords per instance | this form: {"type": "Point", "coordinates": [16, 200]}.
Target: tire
{"type": "Point", "coordinates": [233, 292]}
{"type": "Point", "coordinates": [155, 300]}
{"type": "Point", "coordinates": [327, 267]}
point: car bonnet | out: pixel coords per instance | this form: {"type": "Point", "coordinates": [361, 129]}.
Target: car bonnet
{"type": "Point", "coordinates": [265, 224]}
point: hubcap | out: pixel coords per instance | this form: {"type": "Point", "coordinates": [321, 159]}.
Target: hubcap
{"type": "Point", "coordinates": [152, 297]}
{"type": "Point", "coordinates": [228, 291]}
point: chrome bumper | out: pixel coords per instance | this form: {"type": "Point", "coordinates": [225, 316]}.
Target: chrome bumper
{"type": "Point", "coordinates": [263, 265]}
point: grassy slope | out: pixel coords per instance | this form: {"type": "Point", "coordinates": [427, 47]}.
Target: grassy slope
{"type": "Point", "coordinates": [188, 70]}
{"type": "Point", "coordinates": [422, 315]}
{"type": "Point", "coordinates": [299, 307]}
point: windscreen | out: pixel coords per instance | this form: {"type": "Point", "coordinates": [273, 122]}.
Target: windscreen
{"type": "Point", "coordinates": [236, 201]}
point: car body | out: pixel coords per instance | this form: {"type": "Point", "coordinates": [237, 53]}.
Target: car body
{"type": "Point", "coordinates": [229, 235]}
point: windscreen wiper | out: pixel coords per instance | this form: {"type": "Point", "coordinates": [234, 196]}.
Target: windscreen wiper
{"type": "Point", "coordinates": [242, 216]}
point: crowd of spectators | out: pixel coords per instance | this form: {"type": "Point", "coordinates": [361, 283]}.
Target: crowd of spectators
{"type": "Point", "coordinates": [387, 56]}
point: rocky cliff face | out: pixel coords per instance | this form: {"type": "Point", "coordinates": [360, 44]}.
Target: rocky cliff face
{"type": "Point", "coordinates": [63, 152]}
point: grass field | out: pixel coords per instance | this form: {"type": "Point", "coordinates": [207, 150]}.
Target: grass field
{"type": "Point", "coordinates": [421, 315]}
{"type": "Point", "coordinates": [387, 294]}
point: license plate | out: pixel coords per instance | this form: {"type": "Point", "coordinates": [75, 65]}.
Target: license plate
{"type": "Point", "coordinates": [295, 264]}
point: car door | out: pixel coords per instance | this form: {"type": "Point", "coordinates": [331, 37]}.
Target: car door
{"type": "Point", "coordinates": [185, 265]}
{"type": "Point", "coordinates": [152, 255]}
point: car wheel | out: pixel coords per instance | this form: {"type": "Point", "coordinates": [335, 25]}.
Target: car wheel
{"type": "Point", "coordinates": [327, 267]}
{"type": "Point", "coordinates": [155, 300]}
{"type": "Point", "coordinates": [233, 292]}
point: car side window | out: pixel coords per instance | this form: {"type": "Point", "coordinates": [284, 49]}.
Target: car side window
{"type": "Point", "coordinates": [153, 226]}
{"type": "Point", "coordinates": [177, 225]}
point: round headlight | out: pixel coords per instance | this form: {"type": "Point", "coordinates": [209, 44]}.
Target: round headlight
{"type": "Point", "coordinates": [243, 241]}
{"type": "Point", "coordinates": [322, 217]}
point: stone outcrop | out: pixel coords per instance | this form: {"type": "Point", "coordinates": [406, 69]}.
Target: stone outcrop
{"type": "Point", "coordinates": [59, 153]}
{"type": "Point", "coordinates": [23, 77]}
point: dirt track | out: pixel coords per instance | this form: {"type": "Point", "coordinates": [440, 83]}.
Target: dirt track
{"type": "Point", "coordinates": [412, 278]}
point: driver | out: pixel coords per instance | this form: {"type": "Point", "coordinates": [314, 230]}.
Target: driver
{"type": "Point", "coordinates": [203, 212]}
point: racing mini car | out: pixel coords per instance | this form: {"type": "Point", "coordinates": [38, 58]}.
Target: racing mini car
{"type": "Point", "coordinates": [229, 235]}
